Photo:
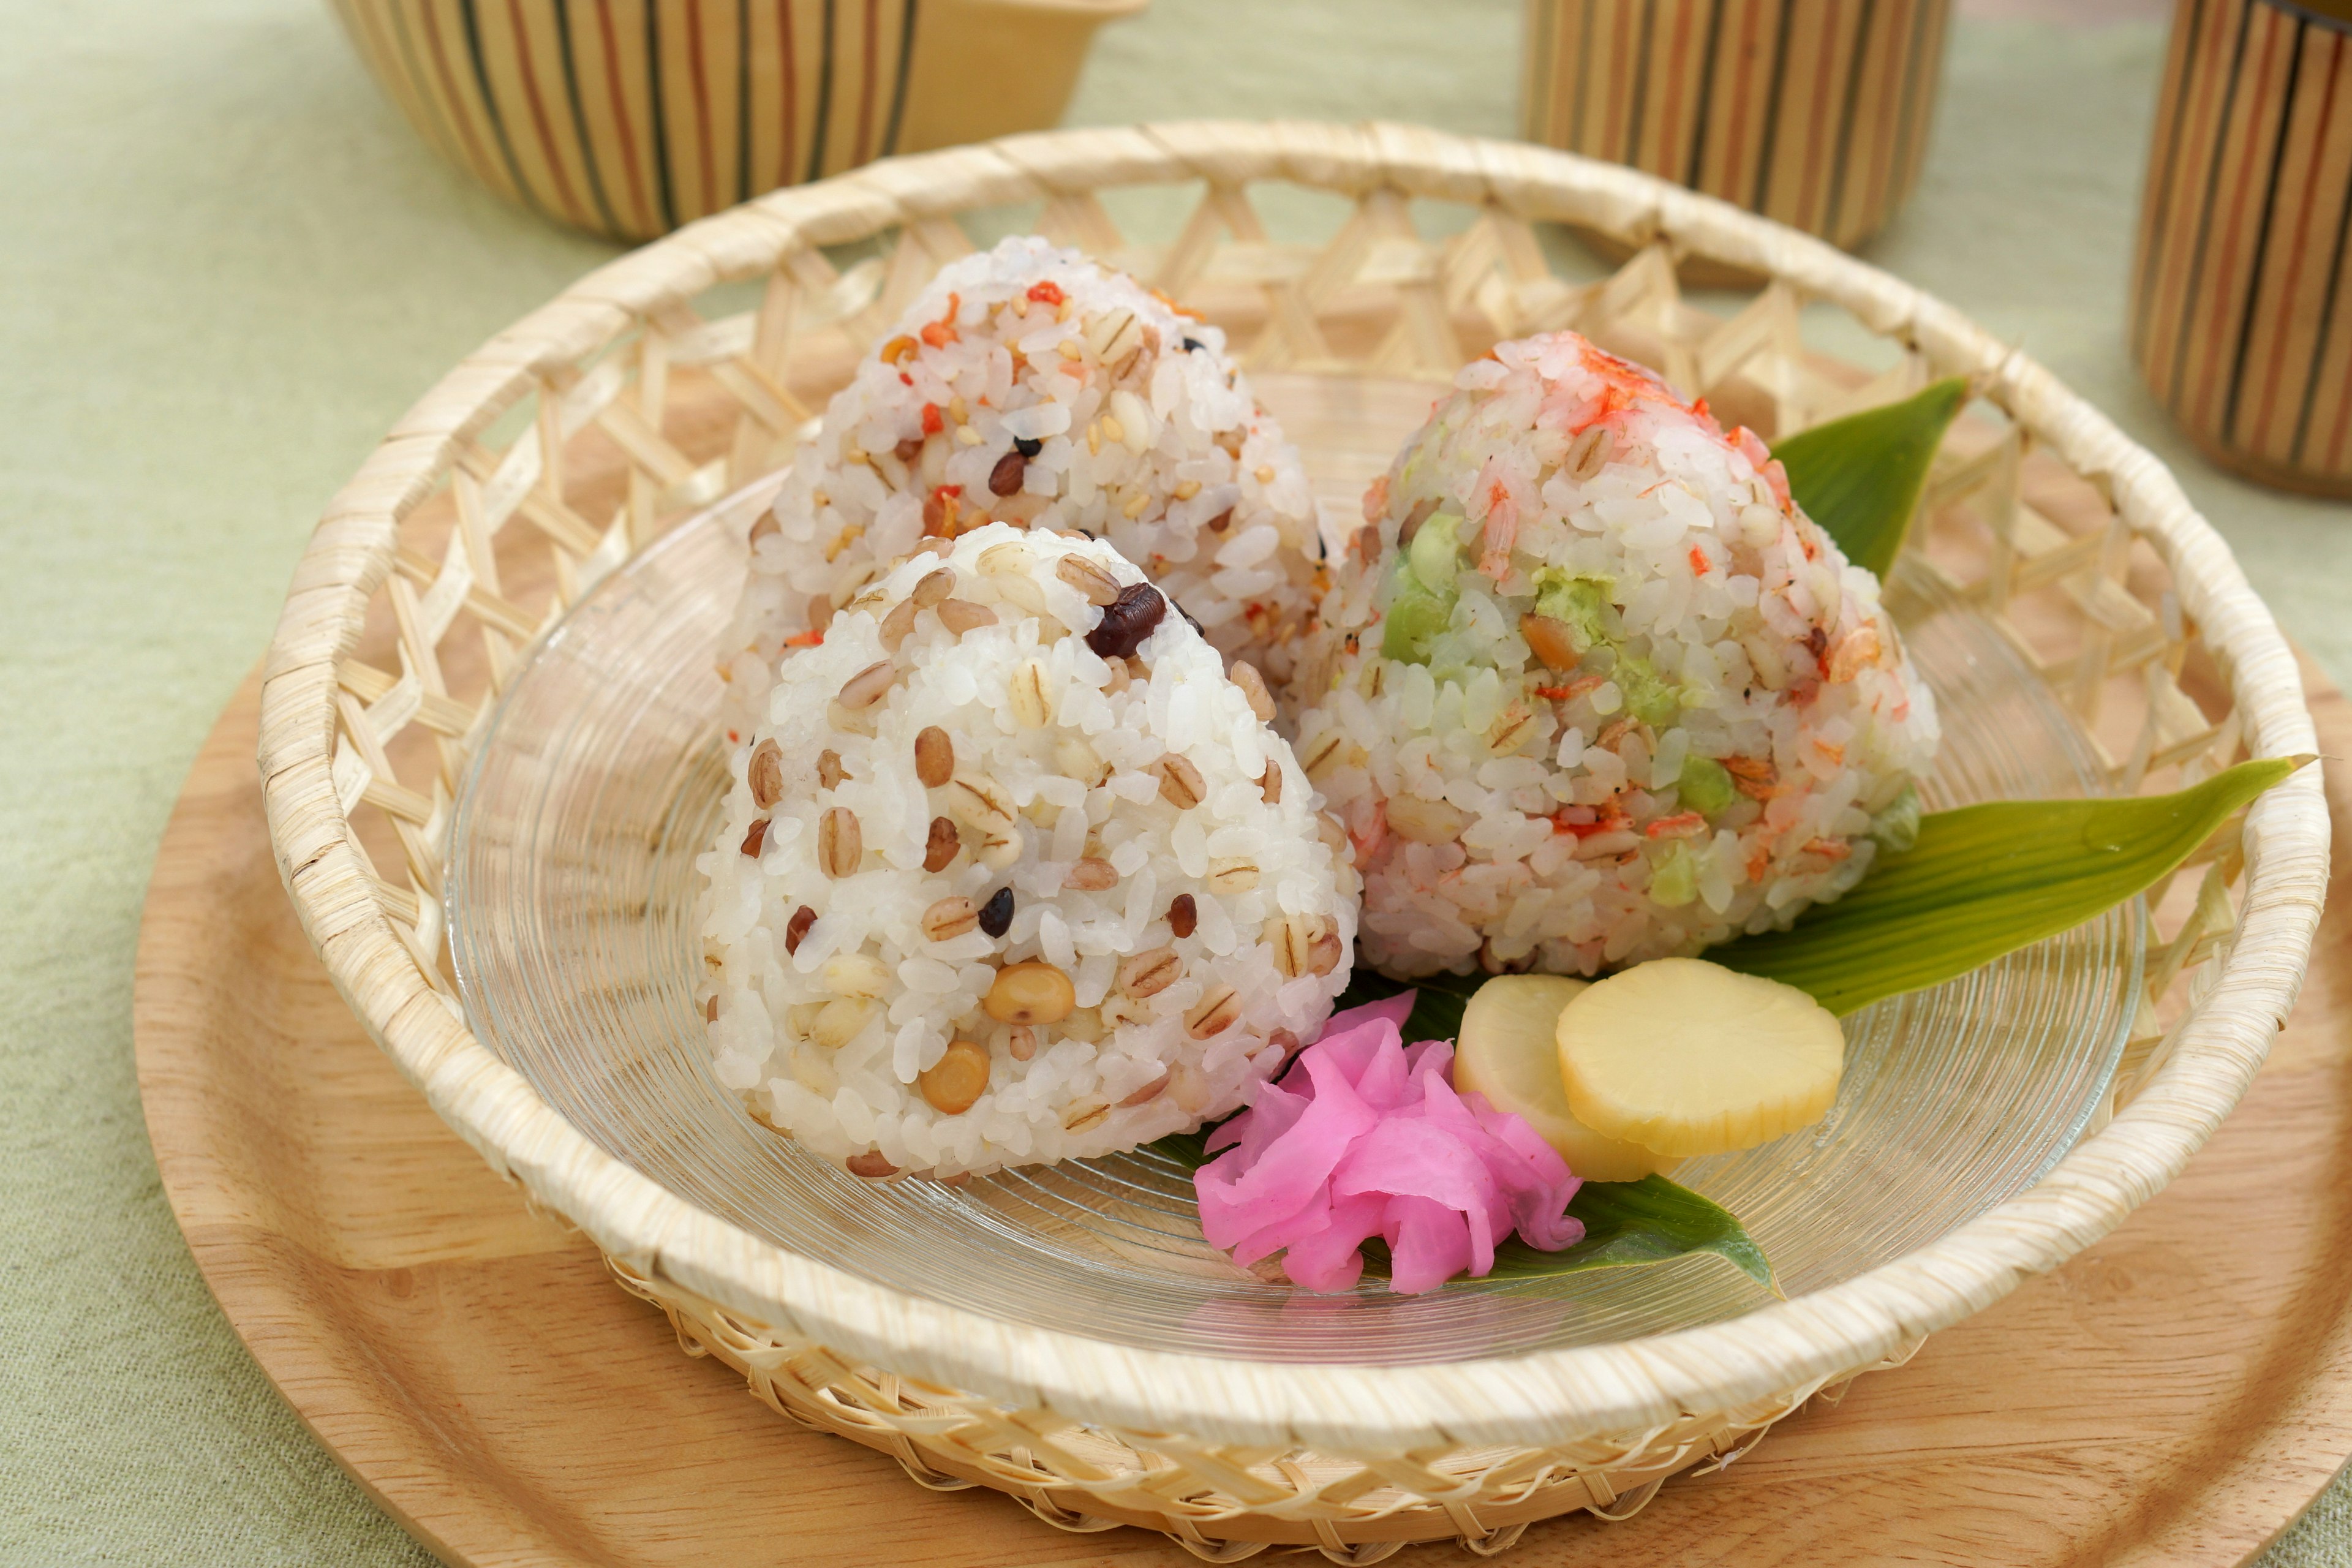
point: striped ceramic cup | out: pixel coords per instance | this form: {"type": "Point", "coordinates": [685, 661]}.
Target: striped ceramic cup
{"type": "Point", "coordinates": [2242, 295]}
{"type": "Point", "coordinates": [630, 117]}
{"type": "Point", "coordinates": [1811, 112]}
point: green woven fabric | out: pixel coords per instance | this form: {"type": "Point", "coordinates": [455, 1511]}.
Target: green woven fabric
{"type": "Point", "coordinates": [226, 266]}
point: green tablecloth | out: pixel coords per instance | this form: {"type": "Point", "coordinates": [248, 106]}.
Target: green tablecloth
{"type": "Point", "coordinates": [226, 267]}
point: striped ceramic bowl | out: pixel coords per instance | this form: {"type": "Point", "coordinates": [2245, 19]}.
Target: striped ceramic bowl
{"type": "Point", "coordinates": [628, 118]}
{"type": "Point", "coordinates": [1811, 112]}
{"type": "Point", "coordinates": [2241, 296]}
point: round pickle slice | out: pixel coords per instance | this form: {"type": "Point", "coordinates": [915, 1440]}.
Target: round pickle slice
{"type": "Point", "coordinates": [1688, 1057]}
{"type": "Point", "coordinates": [1508, 1053]}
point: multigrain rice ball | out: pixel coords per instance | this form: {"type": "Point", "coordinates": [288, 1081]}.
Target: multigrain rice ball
{"type": "Point", "coordinates": [1012, 872]}
{"type": "Point", "coordinates": [1033, 385]}
{"type": "Point", "coordinates": [1593, 689]}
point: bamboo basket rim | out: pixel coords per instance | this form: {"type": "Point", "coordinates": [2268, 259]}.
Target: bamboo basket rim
{"type": "Point", "coordinates": [1543, 1398]}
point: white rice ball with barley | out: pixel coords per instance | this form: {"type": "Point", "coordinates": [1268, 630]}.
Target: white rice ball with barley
{"type": "Point", "coordinates": [1031, 385]}
{"type": "Point", "coordinates": [1010, 872]}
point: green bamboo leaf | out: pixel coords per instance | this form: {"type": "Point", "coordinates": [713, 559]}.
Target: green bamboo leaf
{"type": "Point", "coordinates": [1627, 1225]}
{"type": "Point", "coordinates": [1984, 880]}
{"type": "Point", "coordinates": [1437, 1004]}
{"type": "Point", "coordinates": [1631, 1224]}
{"type": "Point", "coordinates": [1188, 1149]}
{"type": "Point", "coordinates": [1860, 477]}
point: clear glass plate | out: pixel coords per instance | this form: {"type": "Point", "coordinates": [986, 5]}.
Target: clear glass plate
{"type": "Point", "coordinates": [571, 898]}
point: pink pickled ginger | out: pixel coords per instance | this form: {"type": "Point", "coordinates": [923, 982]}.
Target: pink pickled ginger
{"type": "Point", "coordinates": [1365, 1137]}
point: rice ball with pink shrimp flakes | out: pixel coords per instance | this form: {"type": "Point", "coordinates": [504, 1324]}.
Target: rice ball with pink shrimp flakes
{"type": "Point", "coordinates": [1590, 687]}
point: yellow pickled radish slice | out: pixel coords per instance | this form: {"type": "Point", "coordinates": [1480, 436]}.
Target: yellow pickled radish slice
{"type": "Point", "coordinates": [1689, 1057]}
{"type": "Point", "coordinates": [1508, 1053]}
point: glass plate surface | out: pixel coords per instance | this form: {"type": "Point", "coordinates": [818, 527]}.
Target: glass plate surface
{"type": "Point", "coordinates": [571, 899]}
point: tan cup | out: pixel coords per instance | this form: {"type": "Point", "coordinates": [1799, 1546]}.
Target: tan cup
{"type": "Point", "coordinates": [1811, 112]}
{"type": "Point", "coordinates": [630, 117]}
{"type": "Point", "coordinates": [2242, 293]}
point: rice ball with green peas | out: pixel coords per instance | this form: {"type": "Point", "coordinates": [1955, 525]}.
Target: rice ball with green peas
{"type": "Point", "coordinates": [1031, 385]}
{"type": "Point", "coordinates": [1593, 689]}
{"type": "Point", "coordinates": [1010, 872]}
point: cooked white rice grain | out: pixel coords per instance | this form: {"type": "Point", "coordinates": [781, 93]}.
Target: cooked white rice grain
{"type": "Point", "coordinates": [991, 808]}
{"type": "Point", "coordinates": [1593, 690]}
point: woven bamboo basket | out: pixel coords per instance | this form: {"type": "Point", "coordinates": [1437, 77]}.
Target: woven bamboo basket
{"type": "Point", "coordinates": [576, 436]}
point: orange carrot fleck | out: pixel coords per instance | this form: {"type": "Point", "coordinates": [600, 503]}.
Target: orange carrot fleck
{"type": "Point", "coordinates": [1608, 817]}
{"type": "Point", "coordinates": [1574, 689]}
{"type": "Point", "coordinates": [1185, 310]}
{"type": "Point", "coordinates": [939, 512]}
{"type": "Point", "coordinates": [942, 333]}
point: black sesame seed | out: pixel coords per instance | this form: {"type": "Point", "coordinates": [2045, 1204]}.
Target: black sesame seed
{"type": "Point", "coordinates": [1191, 345]}
{"type": "Point", "coordinates": [1026, 446]}
{"type": "Point", "coordinates": [996, 915]}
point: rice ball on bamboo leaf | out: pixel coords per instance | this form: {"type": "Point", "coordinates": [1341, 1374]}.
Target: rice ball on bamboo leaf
{"type": "Point", "coordinates": [1590, 689]}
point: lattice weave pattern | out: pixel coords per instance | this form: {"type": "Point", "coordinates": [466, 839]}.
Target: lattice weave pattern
{"type": "Point", "coordinates": [584, 433]}
{"type": "Point", "coordinates": [1222, 1503]}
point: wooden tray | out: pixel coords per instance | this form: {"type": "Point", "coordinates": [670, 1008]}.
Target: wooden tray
{"type": "Point", "coordinates": [2176, 1395]}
